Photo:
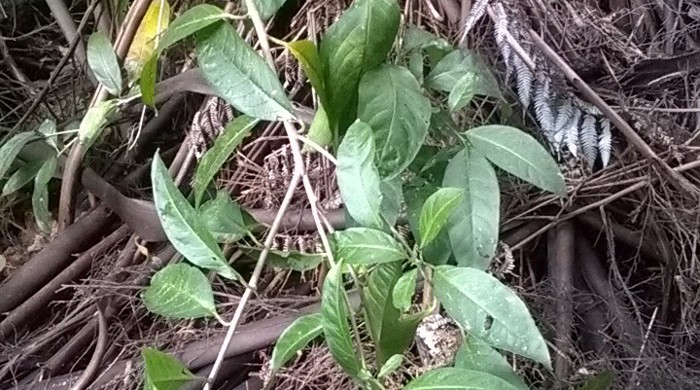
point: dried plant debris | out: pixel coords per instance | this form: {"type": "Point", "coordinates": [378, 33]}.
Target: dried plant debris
{"type": "Point", "coordinates": [570, 126]}
{"type": "Point", "coordinates": [208, 122]}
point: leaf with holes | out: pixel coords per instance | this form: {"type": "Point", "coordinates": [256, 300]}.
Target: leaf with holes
{"type": "Point", "coordinates": [103, 62]}
{"type": "Point", "coordinates": [473, 226]}
{"type": "Point", "coordinates": [163, 372]}
{"type": "Point", "coordinates": [40, 197]}
{"type": "Point", "coordinates": [183, 226]}
{"type": "Point", "coordinates": [436, 210]}
{"type": "Point", "coordinates": [359, 41]}
{"type": "Point", "coordinates": [476, 355]}
{"type": "Point", "coordinates": [239, 75]}
{"type": "Point", "coordinates": [10, 150]}
{"type": "Point", "coordinates": [458, 379]}
{"type": "Point", "coordinates": [366, 246]}
{"type": "Point", "coordinates": [392, 104]}
{"type": "Point", "coordinates": [224, 145]}
{"type": "Point", "coordinates": [306, 53]}
{"type": "Point", "coordinates": [335, 322]}
{"type": "Point", "coordinates": [180, 291]}
{"type": "Point", "coordinates": [154, 22]}
{"type": "Point", "coordinates": [518, 153]}
{"type": "Point", "coordinates": [294, 338]}
{"type": "Point", "coordinates": [487, 309]}
{"type": "Point", "coordinates": [358, 179]}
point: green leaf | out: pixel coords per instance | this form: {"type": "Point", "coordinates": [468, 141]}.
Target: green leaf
{"type": "Point", "coordinates": [294, 338]}
{"type": "Point", "coordinates": [438, 251]}
{"type": "Point", "coordinates": [366, 246]}
{"type": "Point", "coordinates": [473, 226]}
{"type": "Point", "coordinates": [476, 355]}
{"type": "Point", "coordinates": [40, 197]}
{"type": "Point", "coordinates": [416, 38]}
{"type": "Point", "coordinates": [268, 8]}
{"type": "Point", "coordinates": [416, 65]}
{"type": "Point", "coordinates": [306, 53]}
{"type": "Point", "coordinates": [10, 150]}
{"type": "Point", "coordinates": [335, 322]}
{"type": "Point", "coordinates": [487, 309]}
{"type": "Point", "coordinates": [391, 365]}
{"type": "Point", "coordinates": [358, 179]}
{"type": "Point", "coordinates": [223, 218]}
{"type": "Point", "coordinates": [518, 153]}
{"type": "Point", "coordinates": [185, 230]}
{"type": "Point", "coordinates": [458, 379]}
{"type": "Point", "coordinates": [392, 196]}
{"type": "Point", "coordinates": [436, 210]}
{"type": "Point", "coordinates": [48, 129]}
{"type": "Point", "coordinates": [462, 92]}
{"type": "Point", "coordinates": [147, 81]}
{"type": "Point", "coordinates": [319, 131]}
{"type": "Point", "coordinates": [21, 177]}
{"type": "Point", "coordinates": [391, 334]}
{"type": "Point", "coordinates": [103, 62]}
{"type": "Point", "coordinates": [402, 293]}
{"type": "Point", "coordinates": [95, 120]}
{"type": "Point", "coordinates": [217, 155]}
{"type": "Point", "coordinates": [359, 41]}
{"type": "Point", "coordinates": [191, 21]}
{"type": "Point", "coordinates": [293, 260]}
{"type": "Point", "coordinates": [180, 291]}
{"type": "Point", "coordinates": [392, 104]}
{"type": "Point", "coordinates": [239, 75]}
{"type": "Point", "coordinates": [455, 66]}
{"type": "Point", "coordinates": [602, 381]}
{"type": "Point", "coordinates": [163, 372]}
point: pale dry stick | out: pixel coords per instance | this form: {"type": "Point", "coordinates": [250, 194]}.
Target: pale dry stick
{"type": "Point", "coordinates": [97, 356]}
{"type": "Point", "coordinates": [641, 349]}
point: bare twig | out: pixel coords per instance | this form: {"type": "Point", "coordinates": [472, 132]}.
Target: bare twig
{"type": "Point", "coordinates": [100, 348]}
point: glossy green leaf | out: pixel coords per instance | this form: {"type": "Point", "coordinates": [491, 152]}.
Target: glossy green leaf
{"type": "Point", "coordinates": [487, 309]}
{"type": "Point", "coordinates": [21, 177]}
{"type": "Point", "coordinates": [458, 379]}
{"type": "Point", "coordinates": [154, 22]}
{"type": "Point", "coordinates": [191, 21]}
{"type": "Point", "coordinates": [392, 104]}
{"type": "Point", "coordinates": [297, 335]}
{"type": "Point", "coordinates": [402, 293]}
{"type": "Point", "coordinates": [239, 75]}
{"type": "Point", "coordinates": [438, 251]}
{"type": "Point", "coordinates": [223, 218]}
{"type": "Point", "coordinates": [391, 334]}
{"type": "Point", "coordinates": [358, 179]}
{"type": "Point", "coordinates": [183, 226]}
{"type": "Point", "coordinates": [224, 145]}
{"type": "Point", "coordinates": [103, 62]}
{"type": "Point", "coordinates": [602, 381]}
{"type": "Point", "coordinates": [462, 92]}
{"type": "Point", "coordinates": [11, 148]}
{"type": "Point", "coordinates": [95, 120]}
{"type": "Point", "coordinates": [391, 365]}
{"type": "Point", "coordinates": [40, 197]}
{"type": "Point", "coordinates": [163, 372]}
{"type": "Point", "coordinates": [476, 355]}
{"type": "Point", "coordinates": [306, 53]}
{"type": "Point", "coordinates": [435, 212]}
{"type": "Point", "coordinates": [319, 131]}
{"type": "Point", "coordinates": [359, 41]}
{"type": "Point", "coordinates": [518, 153]}
{"type": "Point", "coordinates": [455, 66]}
{"type": "Point", "coordinates": [180, 291]}
{"type": "Point", "coordinates": [366, 246]}
{"type": "Point", "coordinates": [392, 197]}
{"type": "Point", "coordinates": [268, 8]}
{"type": "Point", "coordinates": [335, 322]}
{"type": "Point", "coordinates": [147, 81]}
{"type": "Point", "coordinates": [473, 226]}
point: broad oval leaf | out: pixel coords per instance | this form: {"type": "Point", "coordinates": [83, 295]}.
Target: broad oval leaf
{"type": "Point", "coordinates": [21, 177]}
{"type": "Point", "coordinates": [223, 218]}
{"type": "Point", "coordinates": [392, 199]}
{"type": "Point", "coordinates": [163, 372]}
{"type": "Point", "coordinates": [358, 179]}
{"type": "Point", "coordinates": [475, 354]}
{"type": "Point", "coordinates": [473, 226]}
{"type": "Point", "coordinates": [294, 338]}
{"type": "Point", "coordinates": [40, 196]}
{"type": "Point", "coordinates": [95, 120]}
{"type": "Point", "coordinates": [180, 291]}
{"type": "Point", "coordinates": [182, 225]}
{"type": "Point", "coordinates": [103, 62]}
{"type": "Point", "coordinates": [518, 153]}
{"type": "Point", "coordinates": [435, 212]}
{"type": "Point", "coordinates": [392, 104]}
{"type": "Point", "coordinates": [458, 379]}
{"type": "Point", "coordinates": [487, 309]}
{"type": "Point", "coordinates": [191, 21]}
{"type": "Point", "coordinates": [239, 75]}
{"type": "Point", "coordinates": [10, 150]}
{"type": "Point", "coordinates": [462, 92]}
{"type": "Point", "coordinates": [359, 41]}
{"type": "Point", "coordinates": [455, 66]}
{"type": "Point", "coordinates": [155, 21]}
{"type": "Point", "coordinates": [438, 251]}
{"type": "Point", "coordinates": [335, 322]}
{"type": "Point", "coordinates": [268, 8]}
{"type": "Point", "coordinates": [319, 130]}
{"type": "Point", "coordinates": [216, 156]}
{"type": "Point", "coordinates": [306, 53]}
{"type": "Point", "coordinates": [366, 246]}
{"type": "Point", "coordinates": [403, 291]}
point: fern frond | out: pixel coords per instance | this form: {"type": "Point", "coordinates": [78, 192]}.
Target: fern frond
{"type": "Point", "coordinates": [542, 99]}
{"type": "Point", "coordinates": [562, 113]}
{"type": "Point", "coordinates": [604, 141]}
{"type": "Point", "coordinates": [589, 138]}
{"type": "Point", "coordinates": [478, 10]}
{"type": "Point", "coordinates": [571, 132]}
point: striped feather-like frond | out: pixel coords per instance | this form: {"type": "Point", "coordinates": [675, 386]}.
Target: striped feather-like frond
{"type": "Point", "coordinates": [542, 99]}
{"type": "Point", "coordinates": [604, 140]}
{"type": "Point", "coordinates": [589, 138]}
{"type": "Point", "coordinates": [571, 132]}
{"type": "Point", "coordinates": [478, 10]}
